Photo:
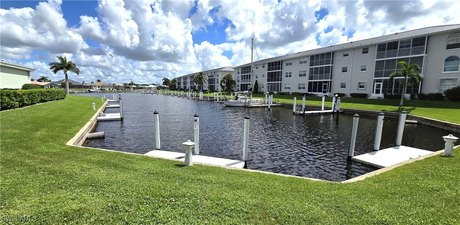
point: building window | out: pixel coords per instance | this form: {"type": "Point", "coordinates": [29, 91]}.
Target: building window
{"type": "Point", "coordinates": [447, 83]}
{"type": "Point", "coordinates": [451, 64]}
{"type": "Point", "coordinates": [288, 74]}
{"type": "Point", "coordinates": [303, 73]}
{"type": "Point", "coordinates": [301, 87]}
{"type": "Point", "coordinates": [257, 67]}
{"type": "Point", "coordinates": [303, 61]}
{"type": "Point", "coordinates": [289, 64]}
{"type": "Point", "coordinates": [363, 68]}
{"type": "Point", "coordinates": [453, 41]}
{"type": "Point", "coordinates": [344, 69]}
{"type": "Point", "coordinates": [287, 86]}
{"type": "Point", "coordinates": [343, 85]}
{"type": "Point", "coordinates": [365, 50]}
{"type": "Point", "coordinates": [361, 85]}
{"type": "Point", "coordinates": [345, 54]}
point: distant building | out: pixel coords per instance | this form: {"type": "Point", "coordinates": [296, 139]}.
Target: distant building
{"type": "Point", "coordinates": [13, 76]}
{"type": "Point", "coordinates": [61, 83]}
{"type": "Point", "coordinates": [44, 84]}
{"type": "Point", "coordinates": [213, 77]}
{"type": "Point", "coordinates": [362, 66]}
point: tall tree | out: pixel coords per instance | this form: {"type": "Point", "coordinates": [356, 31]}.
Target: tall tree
{"type": "Point", "coordinates": [410, 74]}
{"type": "Point", "coordinates": [166, 81]}
{"type": "Point", "coordinates": [43, 79]}
{"type": "Point", "coordinates": [64, 65]}
{"type": "Point", "coordinates": [200, 79]}
{"type": "Point", "coordinates": [172, 84]}
{"type": "Point", "coordinates": [227, 83]}
{"type": "Point", "coordinates": [256, 88]}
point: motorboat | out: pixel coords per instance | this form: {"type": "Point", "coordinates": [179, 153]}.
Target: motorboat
{"type": "Point", "coordinates": [243, 99]}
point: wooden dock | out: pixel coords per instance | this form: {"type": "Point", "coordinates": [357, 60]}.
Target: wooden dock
{"type": "Point", "coordinates": [109, 117]}
{"type": "Point", "coordinates": [391, 156]}
{"type": "Point", "coordinates": [198, 159]}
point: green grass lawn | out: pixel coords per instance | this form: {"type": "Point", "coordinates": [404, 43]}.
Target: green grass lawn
{"type": "Point", "coordinates": [44, 181]}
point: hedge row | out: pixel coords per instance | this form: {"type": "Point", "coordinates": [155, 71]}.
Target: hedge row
{"type": "Point", "coordinates": [10, 99]}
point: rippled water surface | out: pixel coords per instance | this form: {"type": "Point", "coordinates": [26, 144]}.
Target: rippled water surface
{"type": "Point", "coordinates": [311, 146]}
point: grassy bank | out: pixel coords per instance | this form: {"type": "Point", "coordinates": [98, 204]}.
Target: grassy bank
{"type": "Point", "coordinates": [44, 181]}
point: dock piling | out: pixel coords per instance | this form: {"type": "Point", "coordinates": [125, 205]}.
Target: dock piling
{"type": "Point", "coordinates": [294, 105]}
{"type": "Point", "coordinates": [378, 132]}
{"type": "Point", "coordinates": [402, 122]}
{"type": "Point", "coordinates": [333, 104]}
{"type": "Point", "coordinates": [245, 141]}
{"type": "Point", "coordinates": [322, 102]}
{"type": "Point", "coordinates": [303, 105]}
{"type": "Point", "coordinates": [121, 108]}
{"type": "Point", "coordinates": [156, 125]}
{"type": "Point", "coordinates": [94, 106]}
{"type": "Point", "coordinates": [354, 131]}
{"type": "Point", "coordinates": [196, 132]}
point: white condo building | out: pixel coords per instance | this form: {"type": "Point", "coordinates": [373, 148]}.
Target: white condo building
{"type": "Point", "coordinates": [357, 67]}
{"type": "Point", "coordinates": [213, 77]}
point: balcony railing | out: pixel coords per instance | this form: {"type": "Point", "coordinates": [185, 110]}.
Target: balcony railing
{"type": "Point", "coordinates": [401, 52]}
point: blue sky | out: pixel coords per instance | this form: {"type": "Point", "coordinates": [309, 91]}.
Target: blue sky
{"type": "Point", "coordinates": [120, 41]}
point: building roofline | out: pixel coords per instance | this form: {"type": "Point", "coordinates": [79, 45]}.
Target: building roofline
{"type": "Point", "coordinates": [225, 69]}
{"type": "Point", "coordinates": [16, 66]}
{"type": "Point", "coordinates": [363, 43]}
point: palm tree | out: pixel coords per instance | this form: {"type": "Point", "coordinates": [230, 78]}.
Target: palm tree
{"type": "Point", "coordinates": [43, 79]}
{"type": "Point", "coordinates": [166, 81]}
{"type": "Point", "coordinates": [200, 79]}
{"type": "Point", "coordinates": [410, 73]}
{"type": "Point", "coordinates": [227, 83]}
{"type": "Point", "coordinates": [64, 65]}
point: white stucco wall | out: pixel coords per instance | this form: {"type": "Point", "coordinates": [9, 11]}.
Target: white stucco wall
{"type": "Point", "coordinates": [434, 64]}
{"type": "Point", "coordinates": [13, 78]}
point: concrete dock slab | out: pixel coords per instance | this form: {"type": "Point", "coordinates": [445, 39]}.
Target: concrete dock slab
{"type": "Point", "coordinates": [199, 159]}
{"type": "Point", "coordinates": [391, 156]}
{"type": "Point", "coordinates": [313, 112]}
{"type": "Point", "coordinates": [109, 117]}
{"type": "Point", "coordinates": [113, 106]}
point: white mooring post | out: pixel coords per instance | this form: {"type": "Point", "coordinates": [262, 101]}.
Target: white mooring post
{"type": "Point", "coordinates": [333, 104]}
{"type": "Point", "coordinates": [201, 95]}
{"type": "Point", "coordinates": [354, 132]}
{"type": "Point", "coordinates": [119, 96]}
{"type": "Point", "coordinates": [94, 106]}
{"type": "Point", "coordinates": [121, 108]}
{"type": "Point", "coordinates": [196, 133]}
{"type": "Point", "coordinates": [113, 96]}
{"type": "Point", "coordinates": [303, 104]}
{"type": "Point", "coordinates": [188, 152]}
{"type": "Point", "coordinates": [245, 141]}
{"type": "Point", "coordinates": [271, 100]}
{"type": "Point", "coordinates": [449, 146]}
{"type": "Point", "coordinates": [156, 125]}
{"type": "Point", "coordinates": [294, 105]}
{"type": "Point", "coordinates": [266, 99]}
{"type": "Point", "coordinates": [401, 123]}
{"type": "Point", "coordinates": [322, 102]}
{"type": "Point", "coordinates": [378, 132]}
{"type": "Point", "coordinates": [102, 99]}
{"type": "Point", "coordinates": [250, 101]}
{"type": "Point", "coordinates": [338, 104]}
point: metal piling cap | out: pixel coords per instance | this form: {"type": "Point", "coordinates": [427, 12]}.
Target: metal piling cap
{"type": "Point", "coordinates": [155, 112]}
{"type": "Point", "coordinates": [356, 115]}
{"type": "Point", "coordinates": [196, 115]}
{"type": "Point", "coordinates": [246, 117]}
{"type": "Point", "coordinates": [381, 113]}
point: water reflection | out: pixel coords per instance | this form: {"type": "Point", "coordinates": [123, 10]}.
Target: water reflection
{"type": "Point", "coordinates": [311, 146]}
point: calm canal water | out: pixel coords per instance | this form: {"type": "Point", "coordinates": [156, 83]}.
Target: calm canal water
{"type": "Point", "coordinates": [311, 146]}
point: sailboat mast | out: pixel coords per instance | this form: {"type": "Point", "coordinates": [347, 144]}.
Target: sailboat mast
{"type": "Point", "coordinates": [252, 58]}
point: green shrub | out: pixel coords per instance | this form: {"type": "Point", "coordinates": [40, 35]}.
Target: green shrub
{"type": "Point", "coordinates": [392, 96]}
{"type": "Point", "coordinates": [435, 96]}
{"type": "Point", "coordinates": [31, 86]}
{"type": "Point", "coordinates": [358, 95]}
{"type": "Point", "coordinates": [10, 99]}
{"type": "Point", "coordinates": [453, 94]}
{"type": "Point", "coordinates": [340, 94]}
